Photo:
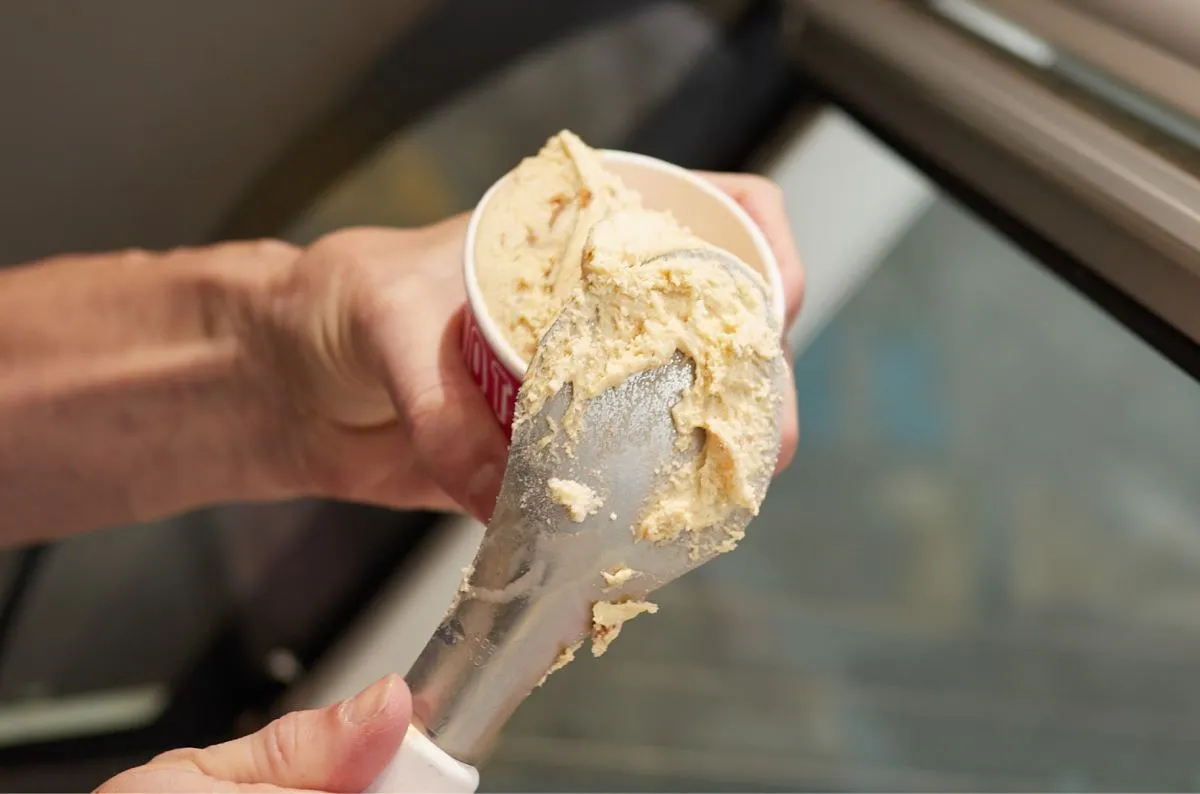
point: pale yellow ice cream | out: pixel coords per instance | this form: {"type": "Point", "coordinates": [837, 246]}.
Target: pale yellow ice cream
{"type": "Point", "coordinates": [609, 616]}
{"type": "Point", "coordinates": [579, 500]}
{"type": "Point", "coordinates": [564, 658]}
{"type": "Point", "coordinates": [531, 234]}
{"type": "Point", "coordinates": [618, 575]}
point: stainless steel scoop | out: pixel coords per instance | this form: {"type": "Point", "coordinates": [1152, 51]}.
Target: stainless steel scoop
{"type": "Point", "coordinates": [537, 573]}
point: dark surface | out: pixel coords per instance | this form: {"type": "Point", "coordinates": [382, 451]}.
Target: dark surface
{"type": "Point", "coordinates": [732, 101]}
{"type": "Point", "coordinates": [24, 566]}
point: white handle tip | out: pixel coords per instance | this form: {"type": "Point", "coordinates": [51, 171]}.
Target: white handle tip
{"type": "Point", "coordinates": [421, 767]}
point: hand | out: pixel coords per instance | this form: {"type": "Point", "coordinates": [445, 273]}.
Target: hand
{"type": "Point", "coordinates": [366, 339]}
{"type": "Point", "coordinates": [336, 749]}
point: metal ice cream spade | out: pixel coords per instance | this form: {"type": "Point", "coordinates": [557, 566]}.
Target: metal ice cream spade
{"type": "Point", "coordinates": [537, 573]}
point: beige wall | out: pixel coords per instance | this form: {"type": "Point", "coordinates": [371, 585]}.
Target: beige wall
{"type": "Point", "coordinates": [139, 122]}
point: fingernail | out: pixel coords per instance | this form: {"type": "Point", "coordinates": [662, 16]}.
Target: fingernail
{"type": "Point", "coordinates": [368, 704]}
{"type": "Point", "coordinates": [483, 489]}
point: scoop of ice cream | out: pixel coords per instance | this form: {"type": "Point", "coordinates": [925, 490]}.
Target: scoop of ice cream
{"type": "Point", "coordinates": [531, 235]}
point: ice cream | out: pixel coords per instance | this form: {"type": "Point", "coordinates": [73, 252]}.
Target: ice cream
{"type": "Point", "coordinates": [609, 616]}
{"type": "Point", "coordinates": [618, 575]}
{"type": "Point", "coordinates": [564, 658]}
{"type": "Point", "coordinates": [579, 500]}
{"type": "Point", "coordinates": [531, 235]}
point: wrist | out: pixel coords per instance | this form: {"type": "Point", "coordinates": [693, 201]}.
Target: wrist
{"type": "Point", "coordinates": [235, 292]}
{"type": "Point", "coordinates": [131, 385]}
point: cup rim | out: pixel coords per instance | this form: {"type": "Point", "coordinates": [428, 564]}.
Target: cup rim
{"type": "Point", "coordinates": [478, 306]}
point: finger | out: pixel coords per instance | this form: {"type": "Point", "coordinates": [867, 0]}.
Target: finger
{"type": "Point", "coordinates": [765, 203]}
{"type": "Point", "coordinates": [411, 334]}
{"type": "Point", "coordinates": [452, 427]}
{"type": "Point", "coordinates": [159, 779]}
{"type": "Point", "coordinates": [341, 748]}
{"type": "Point", "coordinates": [789, 426]}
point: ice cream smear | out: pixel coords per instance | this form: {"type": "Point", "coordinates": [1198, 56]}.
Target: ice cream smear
{"type": "Point", "coordinates": [563, 239]}
{"type": "Point", "coordinates": [579, 500]}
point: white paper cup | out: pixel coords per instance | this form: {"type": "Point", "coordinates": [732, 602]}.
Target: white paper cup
{"type": "Point", "coordinates": [694, 201]}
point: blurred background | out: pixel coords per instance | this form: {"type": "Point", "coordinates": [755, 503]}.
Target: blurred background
{"type": "Point", "coordinates": [983, 570]}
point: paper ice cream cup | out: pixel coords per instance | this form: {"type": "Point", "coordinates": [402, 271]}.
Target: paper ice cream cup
{"type": "Point", "coordinates": [695, 202]}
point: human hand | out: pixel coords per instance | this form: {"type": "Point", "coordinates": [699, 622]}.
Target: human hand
{"type": "Point", "coordinates": [341, 748]}
{"type": "Point", "coordinates": [365, 335]}
{"type": "Point", "coordinates": [365, 338]}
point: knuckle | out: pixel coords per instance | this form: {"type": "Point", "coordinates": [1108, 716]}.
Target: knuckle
{"type": "Point", "coordinates": [183, 756]}
{"type": "Point", "coordinates": [349, 237]}
{"type": "Point", "coordinates": [377, 308]}
{"type": "Point", "coordinates": [423, 408]}
{"type": "Point", "coordinates": [756, 186]}
{"type": "Point", "coordinates": [262, 249]}
{"type": "Point", "coordinates": [768, 188]}
{"type": "Point", "coordinates": [341, 249]}
{"type": "Point", "coordinates": [375, 325]}
{"type": "Point", "coordinates": [362, 243]}
{"type": "Point", "coordinates": [137, 255]}
{"type": "Point", "coordinates": [273, 248]}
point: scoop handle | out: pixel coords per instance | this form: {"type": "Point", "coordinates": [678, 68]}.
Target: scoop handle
{"type": "Point", "coordinates": [421, 767]}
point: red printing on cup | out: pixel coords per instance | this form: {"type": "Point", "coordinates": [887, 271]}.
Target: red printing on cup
{"type": "Point", "coordinates": [498, 385]}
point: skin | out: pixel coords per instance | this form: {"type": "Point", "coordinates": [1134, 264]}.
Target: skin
{"type": "Point", "coordinates": [340, 748]}
{"type": "Point", "coordinates": [137, 385]}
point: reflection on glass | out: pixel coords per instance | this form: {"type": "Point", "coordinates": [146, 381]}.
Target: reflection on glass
{"type": "Point", "coordinates": [982, 571]}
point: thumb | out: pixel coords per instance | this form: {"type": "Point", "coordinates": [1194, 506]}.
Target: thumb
{"type": "Point", "coordinates": [340, 748]}
{"type": "Point", "coordinates": [455, 435]}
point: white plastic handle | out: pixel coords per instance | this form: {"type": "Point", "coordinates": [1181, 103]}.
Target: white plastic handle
{"type": "Point", "coordinates": [421, 767]}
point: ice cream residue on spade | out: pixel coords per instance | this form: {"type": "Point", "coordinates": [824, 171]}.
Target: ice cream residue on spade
{"type": "Point", "coordinates": [579, 500]}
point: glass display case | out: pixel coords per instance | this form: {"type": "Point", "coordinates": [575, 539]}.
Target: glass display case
{"type": "Point", "coordinates": [981, 572]}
